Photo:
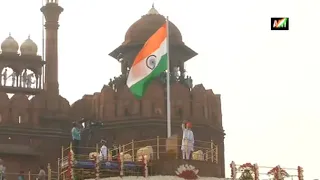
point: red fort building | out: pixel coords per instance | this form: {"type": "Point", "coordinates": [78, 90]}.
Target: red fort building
{"type": "Point", "coordinates": [35, 120]}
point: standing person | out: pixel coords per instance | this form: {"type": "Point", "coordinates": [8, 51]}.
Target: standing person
{"type": "Point", "coordinates": [42, 173]}
{"type": "Point", "coordinates": [21, 176]}
{"type": "Point", "coordinates": [115, 152]}
{"type": "Point", "coordinates": [2, 170]}
{"type": "Point", "coordinates": [76, 137]}
{"type": "Point", "coordinates": [187, 140]}
{"type": "Point", "coordinates": [103, 151]}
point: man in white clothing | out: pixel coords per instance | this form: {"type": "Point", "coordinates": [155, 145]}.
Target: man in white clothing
{"type": "Point", "coordinates": [103, 151]}
{"type": "Point", "coordinates": [2, 170]}
{"type": "Point", "coordinates": [187, 140]}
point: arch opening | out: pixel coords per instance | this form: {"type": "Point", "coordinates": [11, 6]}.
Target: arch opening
{"type": "Point", "coordinates": [10, 95]}
{"type": "Point", "coordinates": [9, 77]}
{"type": "Point", "coordinates": [28, 79]}
{"type": "Point", "coordinates": [25, 79]}
{"type": "Point", "coordinates": [30, 97]}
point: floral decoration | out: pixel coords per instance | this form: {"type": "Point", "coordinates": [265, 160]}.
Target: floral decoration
{"type": "Point", "coordinates": [256, 171]}
{"type": "Point", "coordinates": [300, 173]}
{"type": "Point", "coordinates": [187, 172]}
{"type": "Point", "coordinates": [246, 166]}
{"type": "Point", "coordinates": [278, 173]}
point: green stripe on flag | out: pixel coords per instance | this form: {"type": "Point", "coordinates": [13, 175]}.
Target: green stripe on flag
{"type": "Point", "coordinates": [140, 87]}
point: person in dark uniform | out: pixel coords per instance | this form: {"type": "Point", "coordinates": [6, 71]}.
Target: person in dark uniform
{"type": "Point", "coordinates": [21, 176]}
{"type": "Point", "coordinates": [115, 152]}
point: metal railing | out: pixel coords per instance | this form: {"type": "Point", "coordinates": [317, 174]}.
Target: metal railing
{"type": "Point", "coordinates": [135, 151]}
{"type": "Point", "coordinates": [51, 175]}
{"type": "Point", "coordinates": [203, 150]}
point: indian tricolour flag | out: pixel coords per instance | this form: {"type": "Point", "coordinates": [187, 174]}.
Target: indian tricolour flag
{"type": "Point", "coordinates": [150, 62]}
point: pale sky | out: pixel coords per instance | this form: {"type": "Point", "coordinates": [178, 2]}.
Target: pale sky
{"type": "Point", "coordinates": [269, 80]}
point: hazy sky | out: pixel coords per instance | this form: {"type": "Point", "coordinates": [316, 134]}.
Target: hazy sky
{"type": "Point", "coordinates": [269, 81]}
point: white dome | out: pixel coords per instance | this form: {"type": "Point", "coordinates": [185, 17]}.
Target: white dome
{"type": "Point", "coordinates": [28, 47]}
{"type": "Point", "coordinates": [9, 45]}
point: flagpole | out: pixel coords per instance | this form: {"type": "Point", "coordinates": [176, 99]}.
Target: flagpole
{"type": "Point", "coordinates": [168, 85]}
{"type": "Point", "coordinates": [43, 52]}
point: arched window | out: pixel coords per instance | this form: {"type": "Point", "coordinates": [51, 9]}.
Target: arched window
{"type": "Point", "coordinates": [20, 119]}
{"type": "Point", "coordinates": [126, 112]}
{"type": "Point", "coordinates": [153, 108]}
{"type": "Point", "coordinates": [180, 112]}
{"type": "Point", "coordinates": [205, 112]}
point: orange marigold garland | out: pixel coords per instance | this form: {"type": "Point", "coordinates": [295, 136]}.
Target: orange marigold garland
{"type": "Point", "coordinates": [121, 164]}
{"type": "Point", "coordinates": [300, 173]}
{"type": "Point", "coordinates": [256, 171]}
{"type": "Point", "coordinates": [96, 162]}
{"type": "Point", "coordinates": [70, 165]}
{"type": "Point", "coordinates": [145, 166]}
{"type": "Point", "coordinates": [233, 170]}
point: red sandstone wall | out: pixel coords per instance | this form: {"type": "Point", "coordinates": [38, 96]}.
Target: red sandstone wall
{"type": "Point", "coordinates": [199, 105]}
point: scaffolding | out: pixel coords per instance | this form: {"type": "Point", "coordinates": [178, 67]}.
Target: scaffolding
{"type": "Point", "coordinates": [132, 159]}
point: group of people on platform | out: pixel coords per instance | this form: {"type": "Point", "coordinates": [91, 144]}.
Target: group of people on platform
{"type": "Point", "coordinates": [187, 144]}
{"type": "Point", "coordinates": [76, 138]}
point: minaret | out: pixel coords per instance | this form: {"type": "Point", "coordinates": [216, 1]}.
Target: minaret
{"type": "Point", "coordinates": [51, 11]}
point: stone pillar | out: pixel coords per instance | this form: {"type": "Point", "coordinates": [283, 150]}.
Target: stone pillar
{"type": "Point", "coordinates": [51, 12]}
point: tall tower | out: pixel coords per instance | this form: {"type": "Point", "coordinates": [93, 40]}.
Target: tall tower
{"type": "Point", "coordinates": [51, 11]}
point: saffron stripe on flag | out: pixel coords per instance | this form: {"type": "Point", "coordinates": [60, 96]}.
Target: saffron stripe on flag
{"type": "Point", "coordinates": [152, 44]}
{"type": "Point", "coordinates": [140, 70]}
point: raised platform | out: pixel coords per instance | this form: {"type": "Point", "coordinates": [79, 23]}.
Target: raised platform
{"type": "Point", "coordinates": [161, 178]}
{"type": "Point", "coordinates": [158, 156]}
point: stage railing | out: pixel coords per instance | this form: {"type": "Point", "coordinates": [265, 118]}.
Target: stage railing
{"type": "Point", "coordinates": [209, 149]}
{"type": "Point", "coordinates": [203, 150]}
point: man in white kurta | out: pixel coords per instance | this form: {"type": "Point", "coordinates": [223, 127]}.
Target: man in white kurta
{"type": "Point", "coordinates": [187, 140]}
{"type": "Point", "coordinates": [103, 151]}
{"type": "Point", "coordinates": [2, 170]}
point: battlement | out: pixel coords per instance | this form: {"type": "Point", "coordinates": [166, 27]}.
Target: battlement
{"type": "Point", "coordinates": [196, 104]}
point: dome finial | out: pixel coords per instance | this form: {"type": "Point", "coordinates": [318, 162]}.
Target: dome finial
{"type": "Point", "coordinates": [153, 10]}
{"type": "Point", "coordinates": [9, 34]}
{"type": "Point", "coordinates": [29, 36]}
